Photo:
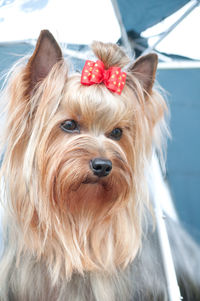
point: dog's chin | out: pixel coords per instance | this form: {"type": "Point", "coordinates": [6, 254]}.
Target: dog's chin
{"type": "Point", "coordinates": [102, 188]}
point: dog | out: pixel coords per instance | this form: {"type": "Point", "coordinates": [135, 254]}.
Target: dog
{"type": "Point", "coordinates": [77, 215]}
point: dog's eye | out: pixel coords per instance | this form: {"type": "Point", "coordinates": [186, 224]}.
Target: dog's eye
{"type": "Point", "coordinates": [70, 126]}
{"type": "Point", "coordinates": [116, 134]}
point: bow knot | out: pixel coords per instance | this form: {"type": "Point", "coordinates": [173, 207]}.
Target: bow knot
{"type": "Point", "coordinates": [95, 73]}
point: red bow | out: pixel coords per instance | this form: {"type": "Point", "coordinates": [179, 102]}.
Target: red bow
{"type": "Point", "coordinates": [95, 73]}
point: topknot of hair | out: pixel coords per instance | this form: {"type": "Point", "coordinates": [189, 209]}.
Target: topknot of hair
{"type": "Point", "coordinates": [110, 54]}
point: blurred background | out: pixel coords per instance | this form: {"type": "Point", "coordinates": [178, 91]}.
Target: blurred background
{"type": "Point", "coordinates": [169, 28]}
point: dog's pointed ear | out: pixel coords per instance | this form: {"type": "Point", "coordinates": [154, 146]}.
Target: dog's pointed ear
{"type": "Point", "coordinates": [46, 54]}
{"type": "Point", "coordinates": [144, 69]}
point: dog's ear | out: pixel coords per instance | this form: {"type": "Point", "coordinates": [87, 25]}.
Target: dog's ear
{"type": "Point", "coordinates": [144, 69]}
{"type": "Point", "coordinates": [46, 54]}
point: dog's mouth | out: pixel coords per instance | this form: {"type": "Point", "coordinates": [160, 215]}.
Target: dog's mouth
{"type": "Point", "coordinates": [92, 180]}
{"type": "Point", "coordinates": [96, 180]}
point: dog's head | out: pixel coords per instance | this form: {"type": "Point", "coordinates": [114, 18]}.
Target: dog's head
{"type": "Point", "coordinates": [75, 158]}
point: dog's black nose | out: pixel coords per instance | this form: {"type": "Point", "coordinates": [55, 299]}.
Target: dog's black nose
{"type": "Point", "coordinates": [101, 167]}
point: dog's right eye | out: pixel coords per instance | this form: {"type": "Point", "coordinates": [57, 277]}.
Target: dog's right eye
{"type": "Point", "coordinates": [70, 126]}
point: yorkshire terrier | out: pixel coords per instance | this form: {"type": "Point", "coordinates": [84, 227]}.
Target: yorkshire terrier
{"type": "Point", "coordinates": [75, 196]}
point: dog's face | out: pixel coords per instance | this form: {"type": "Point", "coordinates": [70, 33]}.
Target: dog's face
{"type": "Point", "coordinates": [86, 150]}
{"type": "Point", "coordinates": [82, 152]}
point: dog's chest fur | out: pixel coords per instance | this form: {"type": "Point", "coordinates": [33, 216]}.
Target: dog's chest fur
{"type": "Point", "coordinates": [31, 281]}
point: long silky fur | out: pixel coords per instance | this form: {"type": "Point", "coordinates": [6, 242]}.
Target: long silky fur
{"type": "Point", "coordinates": [65, 240]}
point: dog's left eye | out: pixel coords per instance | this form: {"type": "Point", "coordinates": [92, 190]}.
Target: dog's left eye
{"type": "Point", "coordinates": [70, 126]}
{"type": "Point", "coordinates": [116, 134]}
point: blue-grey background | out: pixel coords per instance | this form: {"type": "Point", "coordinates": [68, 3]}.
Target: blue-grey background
{"type": "Point", "coordinates": [183, 160]}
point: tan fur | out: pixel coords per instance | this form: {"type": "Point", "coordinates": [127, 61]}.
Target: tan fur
{"type": "Point", "coordinates": [53, 220]}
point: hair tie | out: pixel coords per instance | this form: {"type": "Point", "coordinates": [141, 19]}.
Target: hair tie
{"type": "Point", "coordinates": [95, 73]}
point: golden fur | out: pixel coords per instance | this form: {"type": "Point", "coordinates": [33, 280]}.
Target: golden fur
{"type": "Point", "coordinates": [56, 212]}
